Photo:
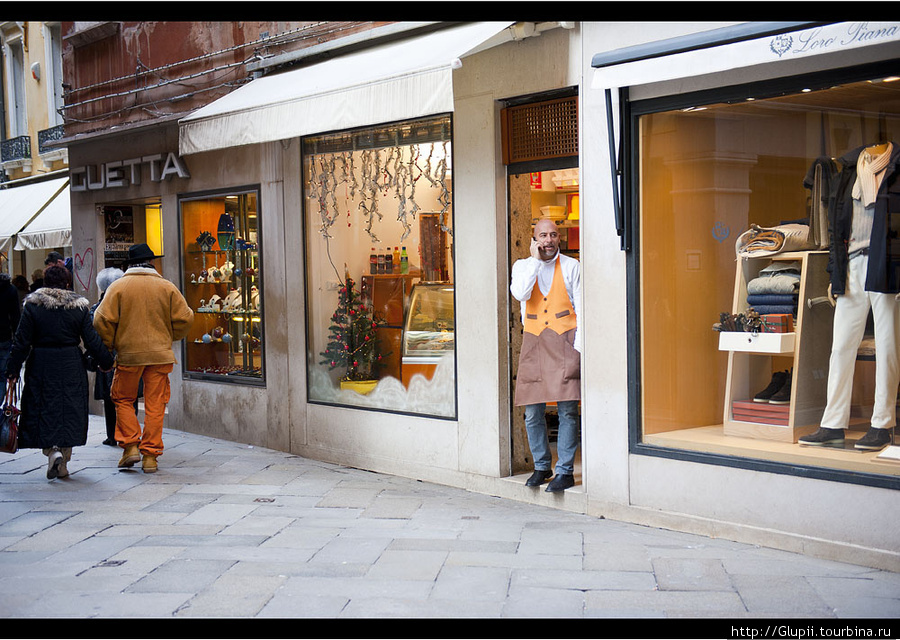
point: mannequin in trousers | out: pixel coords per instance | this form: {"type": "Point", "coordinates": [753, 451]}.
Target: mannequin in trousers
{"type": "Point", "coordinates": [850, 316]}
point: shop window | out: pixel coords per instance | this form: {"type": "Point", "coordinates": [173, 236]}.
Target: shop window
{"type": "Point", "coordinates": [379, 237]}
{"type": "Point", "coordinates": [708, 172]}
{"type": "Point", "coordinates": [222, 282]}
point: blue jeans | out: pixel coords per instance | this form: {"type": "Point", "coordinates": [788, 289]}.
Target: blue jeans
{"type": "Point", "coordinates": [566, 442]}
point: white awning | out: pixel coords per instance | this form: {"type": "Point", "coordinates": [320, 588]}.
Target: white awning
{"type": "Point", "coordinates": [397, 81]}
{"type": "Point", "coordinates": [20, 204]}
{"type": "Point", "coordinates": [51, 228]}
{"type": "Point", "coordinates": [840, 37]}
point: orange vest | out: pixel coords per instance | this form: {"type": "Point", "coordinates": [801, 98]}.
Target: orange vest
{"type": "Point", "coordinates": [553, 311]}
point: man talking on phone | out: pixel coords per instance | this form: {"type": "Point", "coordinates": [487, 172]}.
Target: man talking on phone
{"type": "Point", "coordinates": [548, 286]}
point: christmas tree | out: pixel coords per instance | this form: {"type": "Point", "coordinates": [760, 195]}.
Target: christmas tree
{"type": "Point", "coordinates": [352, 339]}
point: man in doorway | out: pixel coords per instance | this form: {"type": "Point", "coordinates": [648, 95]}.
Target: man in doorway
{"type": "Point", "coordinates": [139, 318]}
{"type": "Point", "coordinates": [548, 286]}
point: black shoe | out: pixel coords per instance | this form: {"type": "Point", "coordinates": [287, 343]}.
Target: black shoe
{"type": "Point", "coordinates": [778, 380]}
{"type": "Point", "coordinates": [783, 395]}
{"type": "Point", "coordinates": [110, 442]}
{"type": "Point", "coordinates": [561, 482]}
{"type": "Point", "coordinates": [874, 439]}
{"type": "Point", "coordinates": [539, 477]}
{"type": "Point", "coordinates": [823, 437]}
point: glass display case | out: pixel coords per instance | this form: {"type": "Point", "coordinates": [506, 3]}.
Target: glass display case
{"type": "Point", "coordinates": [222, 284]}
{"type": "Point", "coordinates": [428, 333]}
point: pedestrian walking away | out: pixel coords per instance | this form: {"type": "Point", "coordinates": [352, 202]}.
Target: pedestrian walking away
{"type": "Point", "coordinates": [103, 379]}
{"type": "Point", "coordinates": [139, 318]}
{"type": "Point", "coordinates": [10, 312]}
{"type": "Point", "coordinates": [54, 414]}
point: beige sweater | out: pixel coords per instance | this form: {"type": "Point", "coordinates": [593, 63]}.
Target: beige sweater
{"type": "Point", "coordinates": [141, 315]}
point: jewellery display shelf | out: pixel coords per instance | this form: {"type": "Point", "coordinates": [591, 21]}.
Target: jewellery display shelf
{"type": "Point", "coordinates": [752, 359]}
{"type": "Point", "coordinates": [223, 286]}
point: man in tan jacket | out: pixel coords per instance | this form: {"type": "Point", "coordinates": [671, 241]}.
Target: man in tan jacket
{"type": "Point", "coordinates": [141, 315]}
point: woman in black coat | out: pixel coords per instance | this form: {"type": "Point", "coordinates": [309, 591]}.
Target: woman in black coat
{"type": "Point", "coordinates": [55, 396]}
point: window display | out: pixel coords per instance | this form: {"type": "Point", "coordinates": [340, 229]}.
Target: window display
{"type": "Point", "coordinates": [754, 216]}
{"type": "Point", "coordinates": [379, 226]}
{"type": "Point", "coordinates": [222, 283]}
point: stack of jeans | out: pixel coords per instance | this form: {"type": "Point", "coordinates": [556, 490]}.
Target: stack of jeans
{"type": "Point", "coordinates": [776, 289]}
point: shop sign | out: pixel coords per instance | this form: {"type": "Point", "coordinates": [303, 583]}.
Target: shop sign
{"type": "Point", "coordinates": [124, 173]}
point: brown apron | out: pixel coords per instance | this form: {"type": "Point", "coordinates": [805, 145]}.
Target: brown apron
{"type": "Point", "coordinates": [549, 366]}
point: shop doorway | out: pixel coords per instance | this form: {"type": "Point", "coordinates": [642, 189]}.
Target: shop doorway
{"type": "Point", "coordinates": [541, 154]}
{"type": "Point", "coordinates": [126, 223]}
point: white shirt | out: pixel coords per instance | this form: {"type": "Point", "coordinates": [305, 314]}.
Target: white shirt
{"type": "Point", "coordinates": [530, 270]}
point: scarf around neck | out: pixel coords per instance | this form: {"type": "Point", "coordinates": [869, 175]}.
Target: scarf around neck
{"type": "Point", "coordinates": [869, 172]}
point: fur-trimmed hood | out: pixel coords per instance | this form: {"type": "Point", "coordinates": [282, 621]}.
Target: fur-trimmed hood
{"type": "Point", "coordinates": [51, 298]}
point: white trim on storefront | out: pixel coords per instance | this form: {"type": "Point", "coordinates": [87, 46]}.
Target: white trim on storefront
{"type": "Point", "coordinates": [402, 80]}
{"type": "Point", "coordinates": [836, 38]}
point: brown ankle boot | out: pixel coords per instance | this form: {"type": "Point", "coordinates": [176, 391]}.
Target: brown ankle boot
{"type": "Point", "coordinates": [148, 463]}
{"type": "Point", "coordinates": [130, 456]}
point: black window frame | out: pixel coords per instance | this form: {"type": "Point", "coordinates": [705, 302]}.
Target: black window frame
{"type": "Point", "coordinates": [195, 376]}
{"type": "Point", "coordinates": [306, 232]}
{"type": "Point", "coordinates": [630, 113]}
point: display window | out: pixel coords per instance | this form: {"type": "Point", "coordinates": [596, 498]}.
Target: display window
{"type": "Point", "coordinates": [736, 314]}
{"type": "Point", "coordinates": [380, 295]}
{"type": "Point", "coordinates": [222, 282]}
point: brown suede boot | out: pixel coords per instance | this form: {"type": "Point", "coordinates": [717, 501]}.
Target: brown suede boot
{"type": "Point", "coordinates": [148, 463]}
{"type": "Point", "coordinates": [130, 456]}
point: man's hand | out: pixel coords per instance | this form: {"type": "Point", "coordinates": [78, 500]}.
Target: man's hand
{"type": "Point", "coordinates": [832, 298]}
{"type": "Point", "coordinates": [534, 250]}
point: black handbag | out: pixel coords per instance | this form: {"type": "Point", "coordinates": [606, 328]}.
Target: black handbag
{"type": "Point", "coordinates": [9, 419]}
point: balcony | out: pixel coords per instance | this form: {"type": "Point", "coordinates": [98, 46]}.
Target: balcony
{"type": "Point", "coordinates": [15, 153]}
{"type": "Point", "coordinates": [48, 152]}
{"type": "Point", "coordinates": [18, 148]}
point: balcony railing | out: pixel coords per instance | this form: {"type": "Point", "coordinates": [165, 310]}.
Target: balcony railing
{"type": "Point", "coordinates": [46, 136]}
{"type": "Point", "coordinates": [18, 148]}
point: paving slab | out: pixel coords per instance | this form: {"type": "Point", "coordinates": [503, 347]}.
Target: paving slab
{"type": "Point", "coordinates": [225, 530]}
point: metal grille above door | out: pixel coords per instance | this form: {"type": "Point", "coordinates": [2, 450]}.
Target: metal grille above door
{"type": "Point", "coordinates": [540, 130]}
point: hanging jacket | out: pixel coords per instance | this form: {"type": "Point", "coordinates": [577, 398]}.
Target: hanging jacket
{"type": "Point", "coordinates": [883, 275]}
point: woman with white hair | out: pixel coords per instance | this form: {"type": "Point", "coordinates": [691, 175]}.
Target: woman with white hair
{"type": "Point", "coordinates": [103, 379]}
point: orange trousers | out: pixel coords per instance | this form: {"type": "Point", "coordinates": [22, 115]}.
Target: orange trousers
{"type": "Point", "coordinates": [124, 391]}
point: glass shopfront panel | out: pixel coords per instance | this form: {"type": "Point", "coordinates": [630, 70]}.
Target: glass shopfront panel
{"type": "Point", "coordinates": [379, 250]}
{"type": "Point", "coordinates": [222, 283]}
{"type": "Point", "coordinates": [714, 333]}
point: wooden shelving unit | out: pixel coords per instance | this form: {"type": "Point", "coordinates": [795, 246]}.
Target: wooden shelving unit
{"type": "Point", "coordinates": [753, 359]}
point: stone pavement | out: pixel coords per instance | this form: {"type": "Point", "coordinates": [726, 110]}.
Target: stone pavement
{"type": "Point", "coordinates": [227, 530]}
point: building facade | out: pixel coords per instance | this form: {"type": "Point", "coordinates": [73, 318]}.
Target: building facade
{"type": "Point", "coordinates": [34, 212]}
{"type": "Point", "coordinates": [343, 217]}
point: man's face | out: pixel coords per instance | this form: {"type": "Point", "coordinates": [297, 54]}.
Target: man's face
{"type": "Point", "coordinates": [547, 238]}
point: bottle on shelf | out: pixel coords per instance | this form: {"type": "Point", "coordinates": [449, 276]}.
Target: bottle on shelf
{"type": "Point", "coordinates": [389, 261]}
{"type": "Point", "coordinates": [373, 261]}
{"type": "Point", "coordinates": [396, 261]}
{"type": "Point", "coordinates": [380, 263]}
{"type": "Point", "coordinates": [404, 261]}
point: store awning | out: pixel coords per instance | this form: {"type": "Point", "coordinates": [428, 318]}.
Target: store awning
{"type": "Point", "coordinates": [52, 227]}
{"type": "Point", "coordinates": [20, 204]}
{"type": "Point", "coordinates": [397, 81]}
{"type": "Point", "coordinates": [736, 47]}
